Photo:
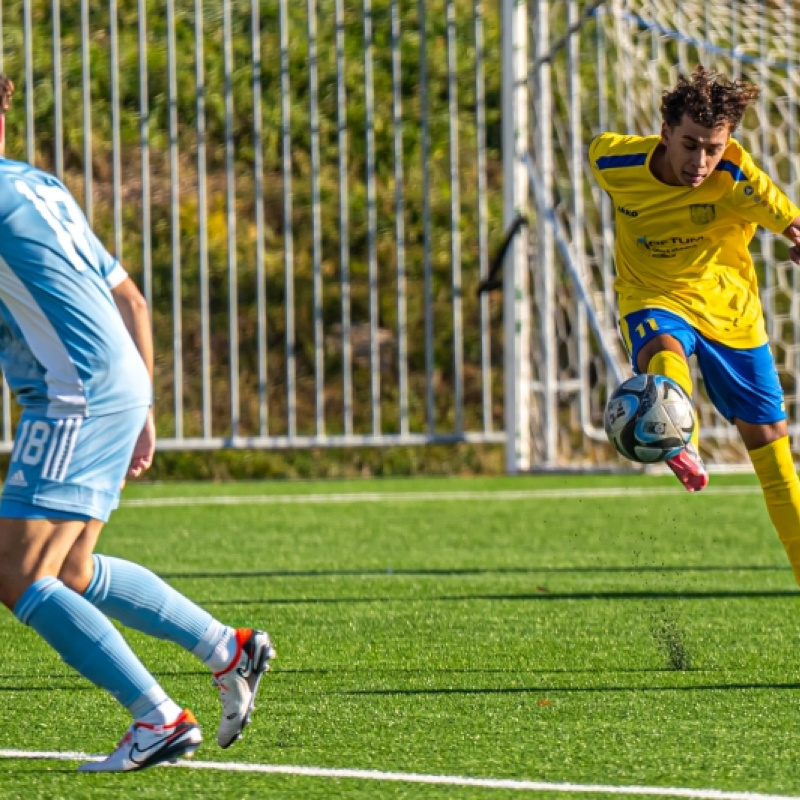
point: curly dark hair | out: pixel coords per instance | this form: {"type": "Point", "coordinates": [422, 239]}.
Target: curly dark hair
{"type": "Point", "coordinates": [708, 98]}
{"type": "Point", "coordinates": [6, 92]}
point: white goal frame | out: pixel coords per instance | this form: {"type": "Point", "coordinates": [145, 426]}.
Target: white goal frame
{"type": "Point", "coordinates": [574, 68]}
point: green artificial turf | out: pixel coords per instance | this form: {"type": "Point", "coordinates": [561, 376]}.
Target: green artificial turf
{"type": "Point", "coordinates": [649, 638]}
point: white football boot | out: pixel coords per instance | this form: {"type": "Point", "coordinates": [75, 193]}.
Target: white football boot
{"type": "Point", "coordinates": [145, 745]}
{"type": "Point", "coordinates": [238, 683]}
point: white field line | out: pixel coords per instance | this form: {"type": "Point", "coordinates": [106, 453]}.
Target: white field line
{"type": "Point", "coordinates": [411, 777]}
{"type": "Point", "coordinates": [417, 497]}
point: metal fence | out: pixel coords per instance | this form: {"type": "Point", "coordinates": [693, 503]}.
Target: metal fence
{"type": "Point", "coordinates": [305, 192]}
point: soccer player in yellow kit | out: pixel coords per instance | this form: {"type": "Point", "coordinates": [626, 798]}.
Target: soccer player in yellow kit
{"type": "Point", "coordinates": [687, 204]}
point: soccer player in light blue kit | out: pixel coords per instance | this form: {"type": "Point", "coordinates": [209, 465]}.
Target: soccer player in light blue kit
{"type": "Point", "coordinates": [76, 350]}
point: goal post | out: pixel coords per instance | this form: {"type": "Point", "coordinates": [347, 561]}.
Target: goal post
{"type": "Point", "coordinates": [596, 65]}
{"type": "Point", "coordinates": [516, 280]}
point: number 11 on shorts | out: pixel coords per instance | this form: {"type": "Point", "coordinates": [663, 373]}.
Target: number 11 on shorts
{"type": "Point", "coordinates": [650, 322]}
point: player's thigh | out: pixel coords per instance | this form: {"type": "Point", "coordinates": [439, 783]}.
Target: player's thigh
{"type": "Point", "coordinates": [743, 385]}
{"type": "Point", "coordinates": [642, 329]}
{"type": "Point", "coordinates": [72, 466]}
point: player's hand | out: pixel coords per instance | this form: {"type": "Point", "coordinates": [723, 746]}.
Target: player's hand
{"type": "Point", "coordinates": [144, 450]}
{"type": "Point", "coordinates": [793, 233]}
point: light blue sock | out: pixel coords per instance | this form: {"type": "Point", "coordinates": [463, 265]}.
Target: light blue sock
{"type": "Point", "coordinates": [139, 599]}
{"type": "Point", "coordinates": [87, 641]}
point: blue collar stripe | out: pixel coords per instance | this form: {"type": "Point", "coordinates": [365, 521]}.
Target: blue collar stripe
{"type": "Point", "coordinates": [633, 160]}
{"type": "Point", "coordinates": [730, 167]}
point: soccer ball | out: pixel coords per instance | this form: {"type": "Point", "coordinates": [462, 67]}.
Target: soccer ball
{"type": "Point", "coordinates": [649, 418]}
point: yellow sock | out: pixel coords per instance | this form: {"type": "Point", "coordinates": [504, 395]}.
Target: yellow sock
{"type": "Point", "coordinates": [776, 473]}
{"type": "Point", "coordinates": [675, 366]}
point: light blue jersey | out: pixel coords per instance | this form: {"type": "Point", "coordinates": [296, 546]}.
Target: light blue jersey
{"type": "Point", "coordinates": [64, 348]}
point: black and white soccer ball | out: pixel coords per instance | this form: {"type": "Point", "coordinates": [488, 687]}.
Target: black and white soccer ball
{"type": "Point", "coordinates": [649, 418]}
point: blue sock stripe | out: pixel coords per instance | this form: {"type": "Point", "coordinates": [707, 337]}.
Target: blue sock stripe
{"type": "Point", "coordinates": [97, 590]}
{"type": "Point", "coordinates": [139, 599]}
{"type": "Point", "coordinates": [34, 596]}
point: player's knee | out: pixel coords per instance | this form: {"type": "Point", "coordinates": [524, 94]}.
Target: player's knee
{"type": "Point", "coordinates": [17, 565]}
{"type": "Point", "coordinates": [11, 590]}
{"type": "Point", "coordinates": [16, 575]}
{"type": "Point", "coordinates": [76, 572]}
{"type": "Point", "coordinates": [756, 436]}
{"type": "Point", "coordinates": [658, 344]}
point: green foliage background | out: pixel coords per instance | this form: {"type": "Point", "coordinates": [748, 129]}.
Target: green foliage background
{"type": "Point", "coordinates": [175, 239]}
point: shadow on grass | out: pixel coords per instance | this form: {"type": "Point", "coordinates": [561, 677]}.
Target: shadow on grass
{"type": "Point", "coordinates": [443, 573]}
{"type": "Point", "coordinates": [49, 686]}
{"type": "Point", "coordinates": [42, 770]}
{"type": "Point", "coordinates": [544, 595]}
{"type": "Point", "coordinates": [552, 690]}
{"type": "Point", "coordinates": [481, 671]}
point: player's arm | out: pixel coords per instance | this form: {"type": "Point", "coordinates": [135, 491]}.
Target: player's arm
{"type": "Point", "coordinates": [6, 93]}
{"type": "Point", "coordinates": [597, 147]}
{"type": "Point", "coordinates": [136, 316]}
{"type": "Point", "coordinates": [761, 201]}
{"type": "Point", "coordinates": [792, 233]}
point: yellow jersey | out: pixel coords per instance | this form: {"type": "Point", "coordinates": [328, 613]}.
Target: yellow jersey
{"type": "Point", "coordinates": [685, 249]}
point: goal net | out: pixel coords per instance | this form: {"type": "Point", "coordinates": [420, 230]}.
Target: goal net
{"type": "Point", "coordinates": [594, 66]}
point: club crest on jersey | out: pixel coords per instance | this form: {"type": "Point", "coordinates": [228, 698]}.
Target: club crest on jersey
{"type": "Point", "coordinates": [702, 214]}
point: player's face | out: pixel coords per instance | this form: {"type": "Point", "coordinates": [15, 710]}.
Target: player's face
{"type": "Point", "coordinates": [692, 151]}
